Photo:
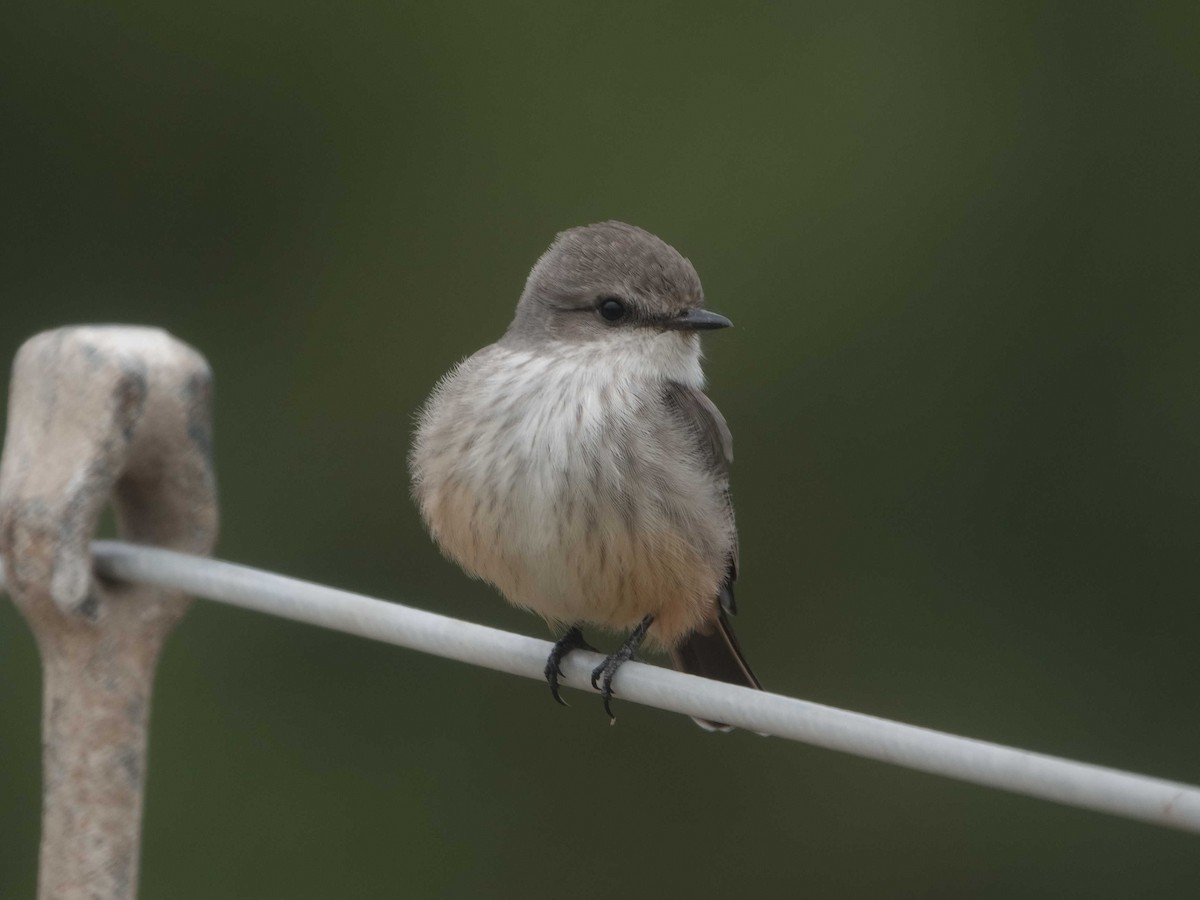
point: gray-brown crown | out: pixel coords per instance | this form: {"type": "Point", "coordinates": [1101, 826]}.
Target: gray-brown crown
{"type": "Point", "coordinates": [608, 259]}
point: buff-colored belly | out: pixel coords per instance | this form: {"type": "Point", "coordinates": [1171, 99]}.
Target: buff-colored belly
{"type": "Point", "coordinates": [522, 474]}
{"type": "Point", "coordinates": [572, 561]}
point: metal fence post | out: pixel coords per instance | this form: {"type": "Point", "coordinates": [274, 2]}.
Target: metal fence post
{"type": "Point", "coordinates": [99, 415]}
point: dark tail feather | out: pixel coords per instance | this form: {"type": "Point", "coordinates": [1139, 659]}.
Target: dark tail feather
{"type": "Point", "coordinates": [716, 655]}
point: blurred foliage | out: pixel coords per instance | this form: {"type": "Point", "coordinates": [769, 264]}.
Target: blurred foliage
{"type": "Point", "coordinates": [959, 241]}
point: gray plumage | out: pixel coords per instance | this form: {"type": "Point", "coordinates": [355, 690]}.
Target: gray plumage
{"type": "Point", "coordinates": [576, 463]}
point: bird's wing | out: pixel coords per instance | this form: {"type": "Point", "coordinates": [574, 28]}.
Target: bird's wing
{"type": "Point", "coordinates": [715, 445]}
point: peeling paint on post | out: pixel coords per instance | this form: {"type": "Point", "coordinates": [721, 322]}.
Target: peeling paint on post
{"type": "Point", "coordinates": [99, 415]}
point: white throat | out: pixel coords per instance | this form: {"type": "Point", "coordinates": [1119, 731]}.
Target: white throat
{"type": "Point", "coordinates": [637, 355]}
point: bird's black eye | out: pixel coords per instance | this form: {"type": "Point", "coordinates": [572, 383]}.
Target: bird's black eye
{"type": "Point", "coordinates": [612, 309]}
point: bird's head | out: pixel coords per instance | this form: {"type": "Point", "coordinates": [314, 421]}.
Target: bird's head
{"type": "Point", "coordinates": [613, 285]}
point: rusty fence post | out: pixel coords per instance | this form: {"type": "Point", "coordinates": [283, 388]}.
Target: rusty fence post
{"type": "Point", "coordinates": [100, 415]}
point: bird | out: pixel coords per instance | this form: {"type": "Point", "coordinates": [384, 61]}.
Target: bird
{"type": "Point", "coordinates": [577, 465]}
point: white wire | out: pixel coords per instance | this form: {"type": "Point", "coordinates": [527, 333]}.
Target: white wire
{"type": "Point", "coordinates": [1125, 794]}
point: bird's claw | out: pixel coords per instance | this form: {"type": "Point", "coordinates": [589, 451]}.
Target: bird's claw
{"type": "Point", "coordinates": [552, 671]}
{"type": "Point", "coordinates": [602, 678]}
{"type": "Point", "coordinates": [572, 640]}
{"type": "Point", "coordinates": [602, 675]}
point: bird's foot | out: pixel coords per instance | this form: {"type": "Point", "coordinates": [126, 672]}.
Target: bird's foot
{"type": "Point", "coordinates": [602, 675]}
{"type": "Point", "coordinates": [572, 640]}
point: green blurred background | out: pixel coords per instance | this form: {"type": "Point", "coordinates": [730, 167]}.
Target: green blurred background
{"type": "Point", "coordinates": [960, 244]}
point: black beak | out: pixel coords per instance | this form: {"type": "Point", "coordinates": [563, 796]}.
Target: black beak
{"type": "Point", "coordinates": [696, 320]}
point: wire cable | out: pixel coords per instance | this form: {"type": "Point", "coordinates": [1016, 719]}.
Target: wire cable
{"type": "Point", "coordinates": [1132, 796]}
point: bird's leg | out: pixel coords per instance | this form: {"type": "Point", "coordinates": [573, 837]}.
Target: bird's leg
{"type": "Point", "coordinates": [572, 640]}
{"type": "Point", "coordinates": [602, 675]}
